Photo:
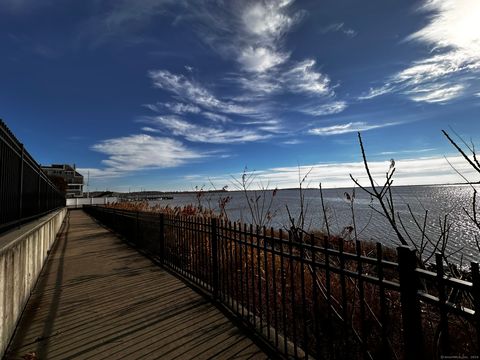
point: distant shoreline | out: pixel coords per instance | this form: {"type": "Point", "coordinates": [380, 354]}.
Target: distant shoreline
{"type": "Point", "coordinates": [159, 193]}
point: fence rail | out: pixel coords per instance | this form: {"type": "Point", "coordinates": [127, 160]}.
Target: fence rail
{"type": "Point", "coordinates": [311, 297]}
{"type": "Point", "coordinates": [25, 191]}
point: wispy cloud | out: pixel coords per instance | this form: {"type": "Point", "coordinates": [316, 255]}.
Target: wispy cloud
{"type": "Point", "coordinates": [302, 78]}
{"type": "Point", "coordinates": [347, 128]}
{"type": "Point", "coordinates": [138, 152]}
{"type": "Point", "coordinates": [292, 142]}
{"type": "Point", "coordinates": [258, 86]}
{"type": "Point", "coordinates": [251, 121]}
{"type": "Point", "coordinates": [334, 107]}
{"type": "Point", "coordinates": [339, 27]}
{"type": "Point", "coordinates": [413, 151]}
{"type": "Point", "coordinates": [374, 92]}
{"type": "Point", "coordinates": [216, 117]}
{"type": "Point", "coordinates": [185, 109]}
{"type": "Point", "coordinates": [175, 107]}
{"type": "Point", "coordinates": [436, 93]}
{"type": "Point", "coordinates": [214, 135]}
{"type": "Point", "coordinates": [451, 71]}
{"type": "Point", "coordinates": [150, 129]}
{"type": "Point", "coordinates": [194, 92]}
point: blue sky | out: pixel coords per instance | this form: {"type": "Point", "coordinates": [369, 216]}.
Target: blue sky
{"type": "Point", "coordinates": [173, 94]}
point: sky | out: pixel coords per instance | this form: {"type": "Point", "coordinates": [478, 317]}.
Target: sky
{"type": "Point", "coordinates": [178, 94]}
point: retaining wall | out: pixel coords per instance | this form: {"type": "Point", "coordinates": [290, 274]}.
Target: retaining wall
{"type": "Point", "coordinates": [22, 254]}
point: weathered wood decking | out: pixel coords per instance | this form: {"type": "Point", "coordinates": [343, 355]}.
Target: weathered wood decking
{"type": "Point", "coordinates": [97, 298]}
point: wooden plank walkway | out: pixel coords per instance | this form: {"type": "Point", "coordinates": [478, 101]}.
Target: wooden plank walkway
{"type": "Point", "coordinates": [97, 298]}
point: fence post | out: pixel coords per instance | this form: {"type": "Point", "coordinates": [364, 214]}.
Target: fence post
{"type": "Point", "coordinates": [411, 317]}
{"type": "Point", "coordinates": [20, 188]}
{"type": "Point", "coordinates": [214, 239]}
{"type": "Point", "coordinates": [162, 239]}
{"type": "Point", "coordinates": [137, 230]}
{"type": "Point", "coordinates": [476, 298]}
{"type": "Point", "coordinates": [39, 195]}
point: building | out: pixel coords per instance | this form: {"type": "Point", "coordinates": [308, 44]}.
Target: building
{"type": "Point", "coordinates": [73, 181]}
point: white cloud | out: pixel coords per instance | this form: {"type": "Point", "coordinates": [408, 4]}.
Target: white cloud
{"type": "Point", "coordinates": [374, 92]}
{"type": "Point", "coordinates": [267, 20]}
{"type": "Point", "coordinates": [216, 117]}
{"type": "Point", "coordinates": [201, 102]}
{"type": "Point", "coordinates": [150, 129]}
{"type": "Point", "coordinates": [339, 27]}
{"type": "Point", "coordinates": [137, 152]}
{"type": "Point", "coordinates": [334, 107]}
{"type": "Point", "coordinates": [259, 85]}
{"type": "Point", "coordinates": [260, 59]}
{"type": "Point", "coordinates": [175, 107]}
{"type": "Point", "coordinates": [295, 77]}
{"type": "Point", "coordinates": [260, 38]}
{"type": "Point", "coordinates": [252, 34]}
{"type": "Point", "coordinates": [194, 93]}
{"type": "Point", "coordinates": [292, 142]}
{"type": "Point", "coordinates": [180, 108]}
{"type": "Point", "coordinates": [436, 68]}
{"type": "Point", "coordinates": [302, 78]}
{"type": "Point", "coordinates": [453, 34]}
{"type": "Point", "coordinates": [439, 93]}
{"type": "Point", "coordinates": [347, 128]}
{"type": "Point", "coordinates": [416, 151]}
{"type": "Point", "coordinates": [197, 133]}
{"type": "Point", "coordinates": [257, 44]}
{"type": "Point", "coordinates": [453, 24]}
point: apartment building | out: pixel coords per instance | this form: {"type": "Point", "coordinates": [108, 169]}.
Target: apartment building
{"type": "Point", "coordinates": [72, 178]}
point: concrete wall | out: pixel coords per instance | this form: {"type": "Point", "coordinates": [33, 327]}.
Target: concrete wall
{"type": "Point", "coordinates": [22, 254]}
{"type": "Point", "coordinates": [79, 202]}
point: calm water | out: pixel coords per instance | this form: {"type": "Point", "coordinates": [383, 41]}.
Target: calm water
{"type": "Point", "coordinates": [438, 200]}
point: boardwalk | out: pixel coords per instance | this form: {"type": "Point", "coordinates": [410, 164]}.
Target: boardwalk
{"type": "Point", "coordinates": [97, 298]}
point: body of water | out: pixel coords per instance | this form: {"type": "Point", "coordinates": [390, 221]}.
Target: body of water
{"type": "Point", "coordinates": [438, 200]}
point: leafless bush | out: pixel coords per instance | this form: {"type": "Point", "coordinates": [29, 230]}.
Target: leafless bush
{"type": "Point", "coordinates": [260, 204]}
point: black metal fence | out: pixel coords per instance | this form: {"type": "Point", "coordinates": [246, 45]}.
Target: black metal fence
{"type": "Point", "coordinates": [25, 191]}
{"type": "Point", "coordinates": [313, 297]}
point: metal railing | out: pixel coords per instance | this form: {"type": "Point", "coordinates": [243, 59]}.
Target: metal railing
{"type": "Point", "coordinates": [25, 191]}
{"type": "Point", "coordinates": [315, 298]}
